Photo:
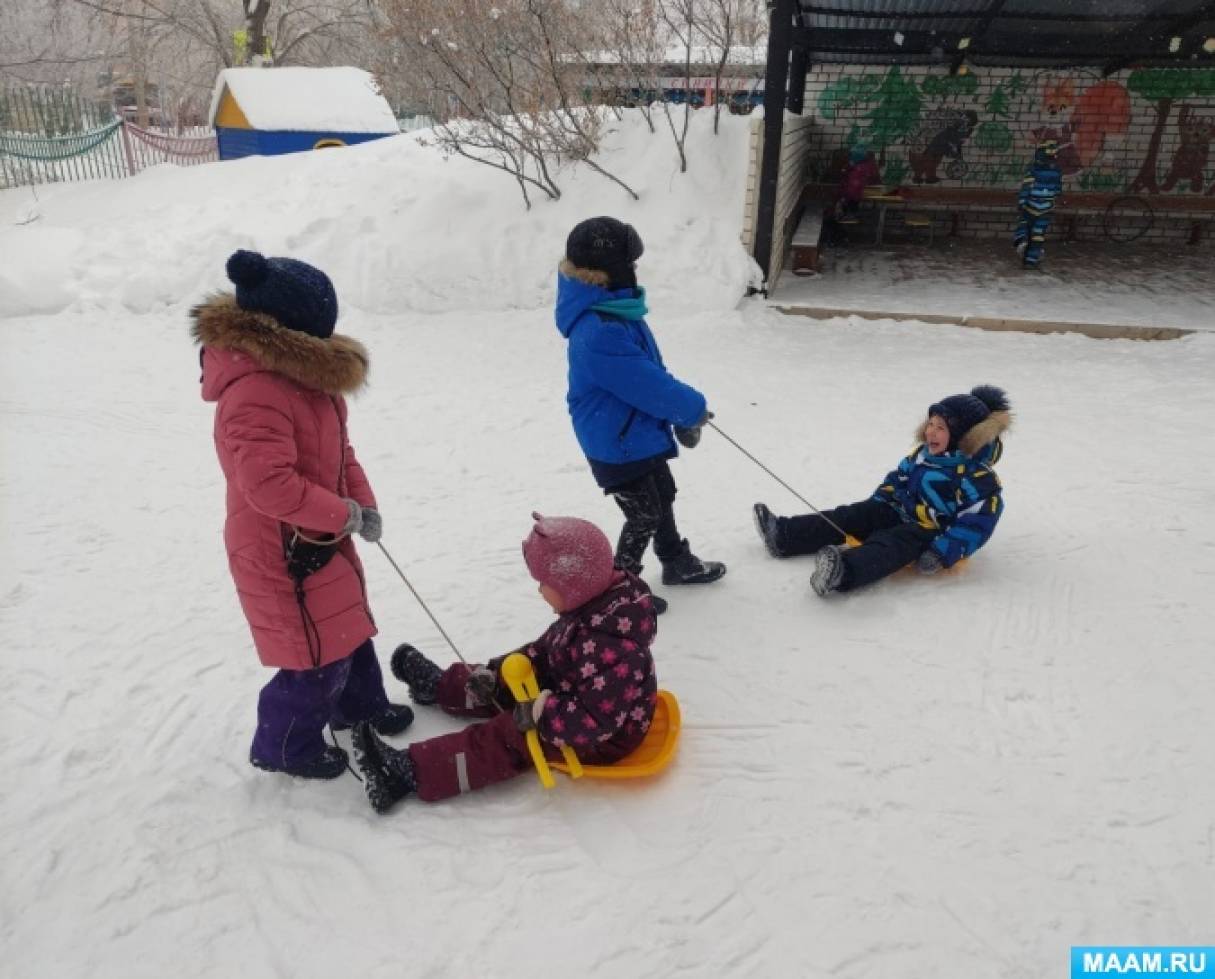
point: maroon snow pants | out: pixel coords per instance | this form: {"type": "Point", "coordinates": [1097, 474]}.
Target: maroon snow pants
{"type": "Point", "coordinates": [480, 755]}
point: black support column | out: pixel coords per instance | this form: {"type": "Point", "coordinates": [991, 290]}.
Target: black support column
{"type": "Point", "coordinates": [776, 80]}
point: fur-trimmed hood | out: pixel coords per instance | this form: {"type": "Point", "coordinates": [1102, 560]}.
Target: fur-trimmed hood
{"type": "Point", "coordinates": [337, 365]}
{"type": "Point", "coordinates": [990, 429]}
{"type": "Point", "coordinates": [592, 277]}
{"type": "Point", "coordinates": [579, 289]}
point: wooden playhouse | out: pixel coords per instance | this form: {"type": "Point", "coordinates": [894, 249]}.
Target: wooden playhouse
{"type": "Point", "coordinates": [270, 111]}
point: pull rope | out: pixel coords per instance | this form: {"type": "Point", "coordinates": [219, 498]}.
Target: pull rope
{"type": "Point", "coordinates": [819, 512]}
{"type": "Point", "coordinates": [298, 534]}
{"type": "Point", "coordinates": [425, 607]}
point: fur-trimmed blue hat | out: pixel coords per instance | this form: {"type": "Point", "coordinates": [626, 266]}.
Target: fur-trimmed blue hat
{"type": "Point", "coordinates": [296, 294]}
{"type": "Point", "coordinates": [974, 419]}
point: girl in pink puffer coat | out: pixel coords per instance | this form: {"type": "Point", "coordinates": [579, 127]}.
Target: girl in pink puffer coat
{"type": "Point", "coordinates": [295, 493]}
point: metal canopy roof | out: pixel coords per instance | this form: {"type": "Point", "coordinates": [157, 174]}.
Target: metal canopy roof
{"type": "Point", "coordinates": [1110, 34]}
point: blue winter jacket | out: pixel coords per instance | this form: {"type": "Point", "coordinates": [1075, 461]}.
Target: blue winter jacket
{"type": "Point", "coordinates": [956, 494]}
{"type": "Point", "coordinates": [1041, 185]}
{"type": "Point", "coordinates": [621, 398]}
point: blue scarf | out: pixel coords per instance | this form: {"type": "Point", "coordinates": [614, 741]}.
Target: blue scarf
{"type": "Point", "coordinates": [627, 309]}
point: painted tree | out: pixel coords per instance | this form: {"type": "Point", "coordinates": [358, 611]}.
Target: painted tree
{"type": "Point", "coordinates": [849, 91]}
{"type": "Point", "coordinates": [897, 113]}
{"type": "Point", "coordinates": [997, 103]}
{"type": "Point", "coordinates": [950, 86]}
{"type": "Point", "coordinates": [1164, 86]}
{"type": "Point", "coordinates": [894, 173]}
{"type": "Point", "coordinates": [994, 137]}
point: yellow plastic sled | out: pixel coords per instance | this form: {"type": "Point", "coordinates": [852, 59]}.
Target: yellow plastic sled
{"type": "Point", "coordinates": [650, 757]}
{"type": "Point", "coordinates": [850, 541]}
{"type": "Point", "coordinates": [653, 754]}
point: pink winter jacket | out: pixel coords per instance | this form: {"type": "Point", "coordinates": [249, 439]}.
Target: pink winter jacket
{"type": "Point", "coordinates": [857, 177]}
{"type": "Point", "coordinates": [280, 432]}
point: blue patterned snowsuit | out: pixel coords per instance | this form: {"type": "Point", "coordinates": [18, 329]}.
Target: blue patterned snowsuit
{"type": "Point", "coordinates": [1042, 184]}
{"type": "Point", "coordinates": [956, 495]}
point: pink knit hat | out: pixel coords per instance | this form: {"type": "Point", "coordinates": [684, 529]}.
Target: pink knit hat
{"type": "Point", "coordinates": [571, 556]}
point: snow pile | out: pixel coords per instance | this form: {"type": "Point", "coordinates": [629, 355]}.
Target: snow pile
{"type": "Point", "coordinates": [397, 227]}
{"type": "Point", "coordinates": [344, 100]}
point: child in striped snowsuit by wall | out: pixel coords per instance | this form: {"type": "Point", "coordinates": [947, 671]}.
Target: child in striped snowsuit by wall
{"type": "Point", "coordinates": [1042, 184]}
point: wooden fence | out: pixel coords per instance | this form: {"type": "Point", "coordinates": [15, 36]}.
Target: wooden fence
{"type": "Point", "coordinates": [50, 134]}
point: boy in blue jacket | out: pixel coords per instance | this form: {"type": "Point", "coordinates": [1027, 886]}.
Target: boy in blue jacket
{"type": "Point", "coordinates": [1036, 200]}
{"type": "Point", "coordinates": [940, 505]}
{"type": "Point", "coordinates": [626, 407]}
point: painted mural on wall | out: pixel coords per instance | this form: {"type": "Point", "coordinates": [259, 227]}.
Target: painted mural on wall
{"type": "Point", "coordinates": [1145, 131]}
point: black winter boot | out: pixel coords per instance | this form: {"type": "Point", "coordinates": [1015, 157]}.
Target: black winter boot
{"type": "Point", "coordinates": [769, 529]}
{"type": "Point", "coordinates": [687, 569]}
{"type": "Point", "coordinates": [387, 773]}
{"type": "Point", "coordinates": [393, 719]}
{"type": "Point", "coordinates": [330, 763]}
{"type": "Point", "coordinates": [828, 570]}
{"type": "Point", "coordinates": [659, 603]}
{"type": "Point", "coordinates": [416, 672]}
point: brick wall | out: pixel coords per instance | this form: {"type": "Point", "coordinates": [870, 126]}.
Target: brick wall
{"type": "Point", "coordinates": [1140, 132]}
{"type": "Point", "coordinates": [795, 159]}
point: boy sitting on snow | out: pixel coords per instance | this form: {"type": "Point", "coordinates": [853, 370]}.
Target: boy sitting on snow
{"type": "Point", "coordinates": [593, 665]}
{"type": "Point", "coordinates": [940, 505]}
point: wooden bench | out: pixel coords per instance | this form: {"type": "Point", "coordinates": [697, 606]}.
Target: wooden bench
{"type": "Point", "coordinates": [921, 222]}
{"type": "Point", "coordinates": [807, 240]}
{"type": "Point", "coordinates": [955, 202]}
{"type": "Point", "coordinates": [959, 201]}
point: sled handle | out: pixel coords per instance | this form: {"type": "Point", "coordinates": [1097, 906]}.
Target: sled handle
{"type": "Point", "coordinates": [521, 678]}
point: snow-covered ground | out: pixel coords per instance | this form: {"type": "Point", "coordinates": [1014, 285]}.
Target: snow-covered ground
{"type": "Point", "coordinates": [958, 776]}
{"type": "Point", "coordinates": [1081, 282]}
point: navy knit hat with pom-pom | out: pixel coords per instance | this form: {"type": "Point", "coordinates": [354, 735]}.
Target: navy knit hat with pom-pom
{"type": "Point", "coordinates": [962, 412]}
{"type": "Point", "coordinates": [298, 295]}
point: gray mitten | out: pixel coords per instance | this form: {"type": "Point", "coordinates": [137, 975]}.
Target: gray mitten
{"type": "Point", "coordinates": [929, 562]}
{"type": "Point", "coordinates": [354, 519]}
{"type": "Point", "coordinates": [482, 684]}
{"type": "Point", "coordinates": [689, 438]}
{"type": "Point", "coordinates": [523, 718]}
{"type": "Point", "coordinates": [373, 525]}
{"type": "Point", "coordinates": [527, 715]}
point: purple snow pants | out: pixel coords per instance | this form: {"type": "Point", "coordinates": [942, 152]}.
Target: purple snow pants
{"type": "Point", "coordinates": [294, 707]}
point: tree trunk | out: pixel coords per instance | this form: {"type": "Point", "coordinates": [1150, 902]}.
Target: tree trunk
{"type": "Point", "coordinates": [256, 12]}
{"type": "Point", "coordinates": [139, 65]}
{"type": "Point", "coordinates": [1147, 173]}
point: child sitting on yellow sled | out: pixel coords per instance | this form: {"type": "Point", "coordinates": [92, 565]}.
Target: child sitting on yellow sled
{"type": "Point", "coordinates": [593, 666]}
{"type": "Point", "coordinates": [940, 505]}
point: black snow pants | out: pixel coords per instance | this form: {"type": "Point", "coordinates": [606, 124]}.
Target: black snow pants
{"type": "Point", "coordinates": [888, 542]}
{"type": "Point", "coordinates": [646, 503]}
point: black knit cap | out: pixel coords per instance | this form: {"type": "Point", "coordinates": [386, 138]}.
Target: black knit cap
{"type": "Point", "coordinates": [608, 245]}
{"type": "Point", "coordinates": [962, 412]}
{"type": "Point", "coordinates": [298, 295]}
